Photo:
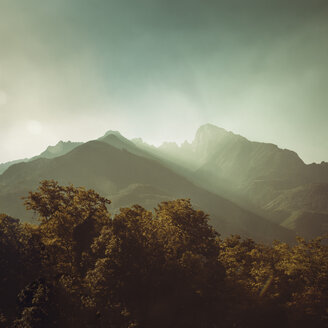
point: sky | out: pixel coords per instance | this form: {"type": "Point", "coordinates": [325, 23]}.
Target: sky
{"type": "Point", "coordinates": [158, 69]}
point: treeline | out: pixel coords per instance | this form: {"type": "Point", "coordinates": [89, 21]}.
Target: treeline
{"type": "Point", "coordinates": [168, 268]}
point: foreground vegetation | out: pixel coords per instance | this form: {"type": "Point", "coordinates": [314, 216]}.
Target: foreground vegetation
{"type": "Point", "coordinates": [82, 268]}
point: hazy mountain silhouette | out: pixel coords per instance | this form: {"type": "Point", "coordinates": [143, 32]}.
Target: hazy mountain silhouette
{"type": "Point", "coordinates": [126, 176]}
{"type": "Point", "coordinates": [233, 157]}
{"type": "Point", "coordinates": [217, 165]}
{"type": "Point", "coordinates": [61, 148]}
{"type": "Point", "coordinates": [260, 176]}
{"type": "Point", "coordinates": [113, 138]}
{"type": "Point", "coordinates": [4, 166]}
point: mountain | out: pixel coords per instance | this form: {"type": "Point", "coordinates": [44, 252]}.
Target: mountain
{"type": "Point", "coordinates": [129, 178]}
{"type": "Point", "coordinates": [256, 175]}
{"type": "Point", "coordinates": [232, 157]}
{"type": "Point", "coordinates": [303, 209]}
{"type": "Point", "coordinates": [115, 139]}
{"type": "Point", "coordinates": [4, 166]}
{"type": "Point", "coordinates": [254, 188]}
{"type": "Point", "coordinates": [61, 148]}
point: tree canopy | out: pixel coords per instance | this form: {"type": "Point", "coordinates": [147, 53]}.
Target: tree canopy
{"type": "Point", "coordinates": [82, 267]}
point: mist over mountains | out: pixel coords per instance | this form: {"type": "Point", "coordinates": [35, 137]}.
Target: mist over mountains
{"type": "Point", "coordinates": [255, 189]}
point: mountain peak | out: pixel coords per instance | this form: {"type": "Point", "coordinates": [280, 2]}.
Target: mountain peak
{"type": "Point", "coordinates": [209, 132]}
{"type": "Point", "coordinates": [112, 132]}
{"type": "Point", "coordinates": [61, 148]}
{"type": "Point", "coordinates": [211, 127]}
{"type": "Point", "coordinates": [114, 138]}
{"type": "Point", "coordinates": [207, 136]}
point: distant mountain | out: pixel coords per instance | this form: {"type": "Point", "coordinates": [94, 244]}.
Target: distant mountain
{"type": "Point", "coordinates": [254, 188]}
{"type": "Point", "coordinates": [277, 180]}
{"type": "Point", "coordinates": [253, 174]}
{"type": "Point", "coordinates": [229, 156]}
{"type": "Point", "coordinates": [61, 148]}
{"type": "Point", "coordinates": [129, 178]}
{"type": "Point", "coordinates": [115, 139]}
{"type": "Point", "coordinates": [4, 166]}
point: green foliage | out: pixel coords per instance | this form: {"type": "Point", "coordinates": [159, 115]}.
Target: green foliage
{"type": "Point", "coordinates": [20, 262]}
{"type": "Point", "coordinates": [157, 270]}
{"type": "Point", "coordinates": [290, 282]}
{"type": "Point", "coordinates": [70, 218]}
{"type": "Point", "coordinates": [167, 268]}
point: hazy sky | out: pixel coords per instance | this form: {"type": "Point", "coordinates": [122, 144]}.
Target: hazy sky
{"type": "Point", "coordinates": [158, 69]}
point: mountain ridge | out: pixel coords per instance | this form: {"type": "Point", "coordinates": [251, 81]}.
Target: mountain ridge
{"type": "Point", "coordinates": [109, 170]}
{"type": "Point", "coordinates": [260, 178]}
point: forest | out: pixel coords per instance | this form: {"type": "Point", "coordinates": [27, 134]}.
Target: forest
{"type": "Point", "coordinates": [80, 266]}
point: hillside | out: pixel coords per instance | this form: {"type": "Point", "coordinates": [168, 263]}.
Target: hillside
{"type": "Point", "coordinates": [61, 148]}
{"type": "Point", "coordinates": [303, 209]}
{"type": "Point", "coordinates": [4, 166]}
{"type": "Point", "coordinates": [224, 173]}
{"type": "Point", "coordinates": [112, 171]}
{"type": "Point", "coordinates": [256, 175]}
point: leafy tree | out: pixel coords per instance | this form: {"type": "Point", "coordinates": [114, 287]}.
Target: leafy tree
{"type": "Point", "coordinates": [20, 262]}
{"type": "Point", "coordinates": [164, 268]}
{"type": "Point", "coordinates": [284, 283]}
{"type": "Point", "coordinates": [70, 218]}
{"type": "Point", "coordinates": [157, 270]}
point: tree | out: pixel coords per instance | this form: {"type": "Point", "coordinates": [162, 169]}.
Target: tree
{"type": "Point", "coordinates": [286, 284]}
{"type": "Point", "coordinates": [164, 268]}
{"type": "Point", "coordinates": [70, 219]}
{"type": "Point", "coordinates": [158, 270]}
{"type": "Point", "coordinates": [20, 262]}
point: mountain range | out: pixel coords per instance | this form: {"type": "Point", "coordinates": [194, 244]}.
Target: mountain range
{"type": "Point", "coordinates": [254, 189]}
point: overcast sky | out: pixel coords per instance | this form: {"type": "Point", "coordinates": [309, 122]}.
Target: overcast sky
{"type": "Point", "coordinates": [158, 69]}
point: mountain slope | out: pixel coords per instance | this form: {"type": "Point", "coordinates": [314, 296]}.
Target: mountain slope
{"type": "Point", "coordinates": [254, 174]}
{"type": "Point", "coordinates": [61, 148]}
{"type": "Point", "coordinates": [303, 209]}
{"type": "Point", "coordinates": [112, 171]}
{"type": "Point", "coordinates": [4, 166]}
{"type": "Point", "coordinates": [218, 165]}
